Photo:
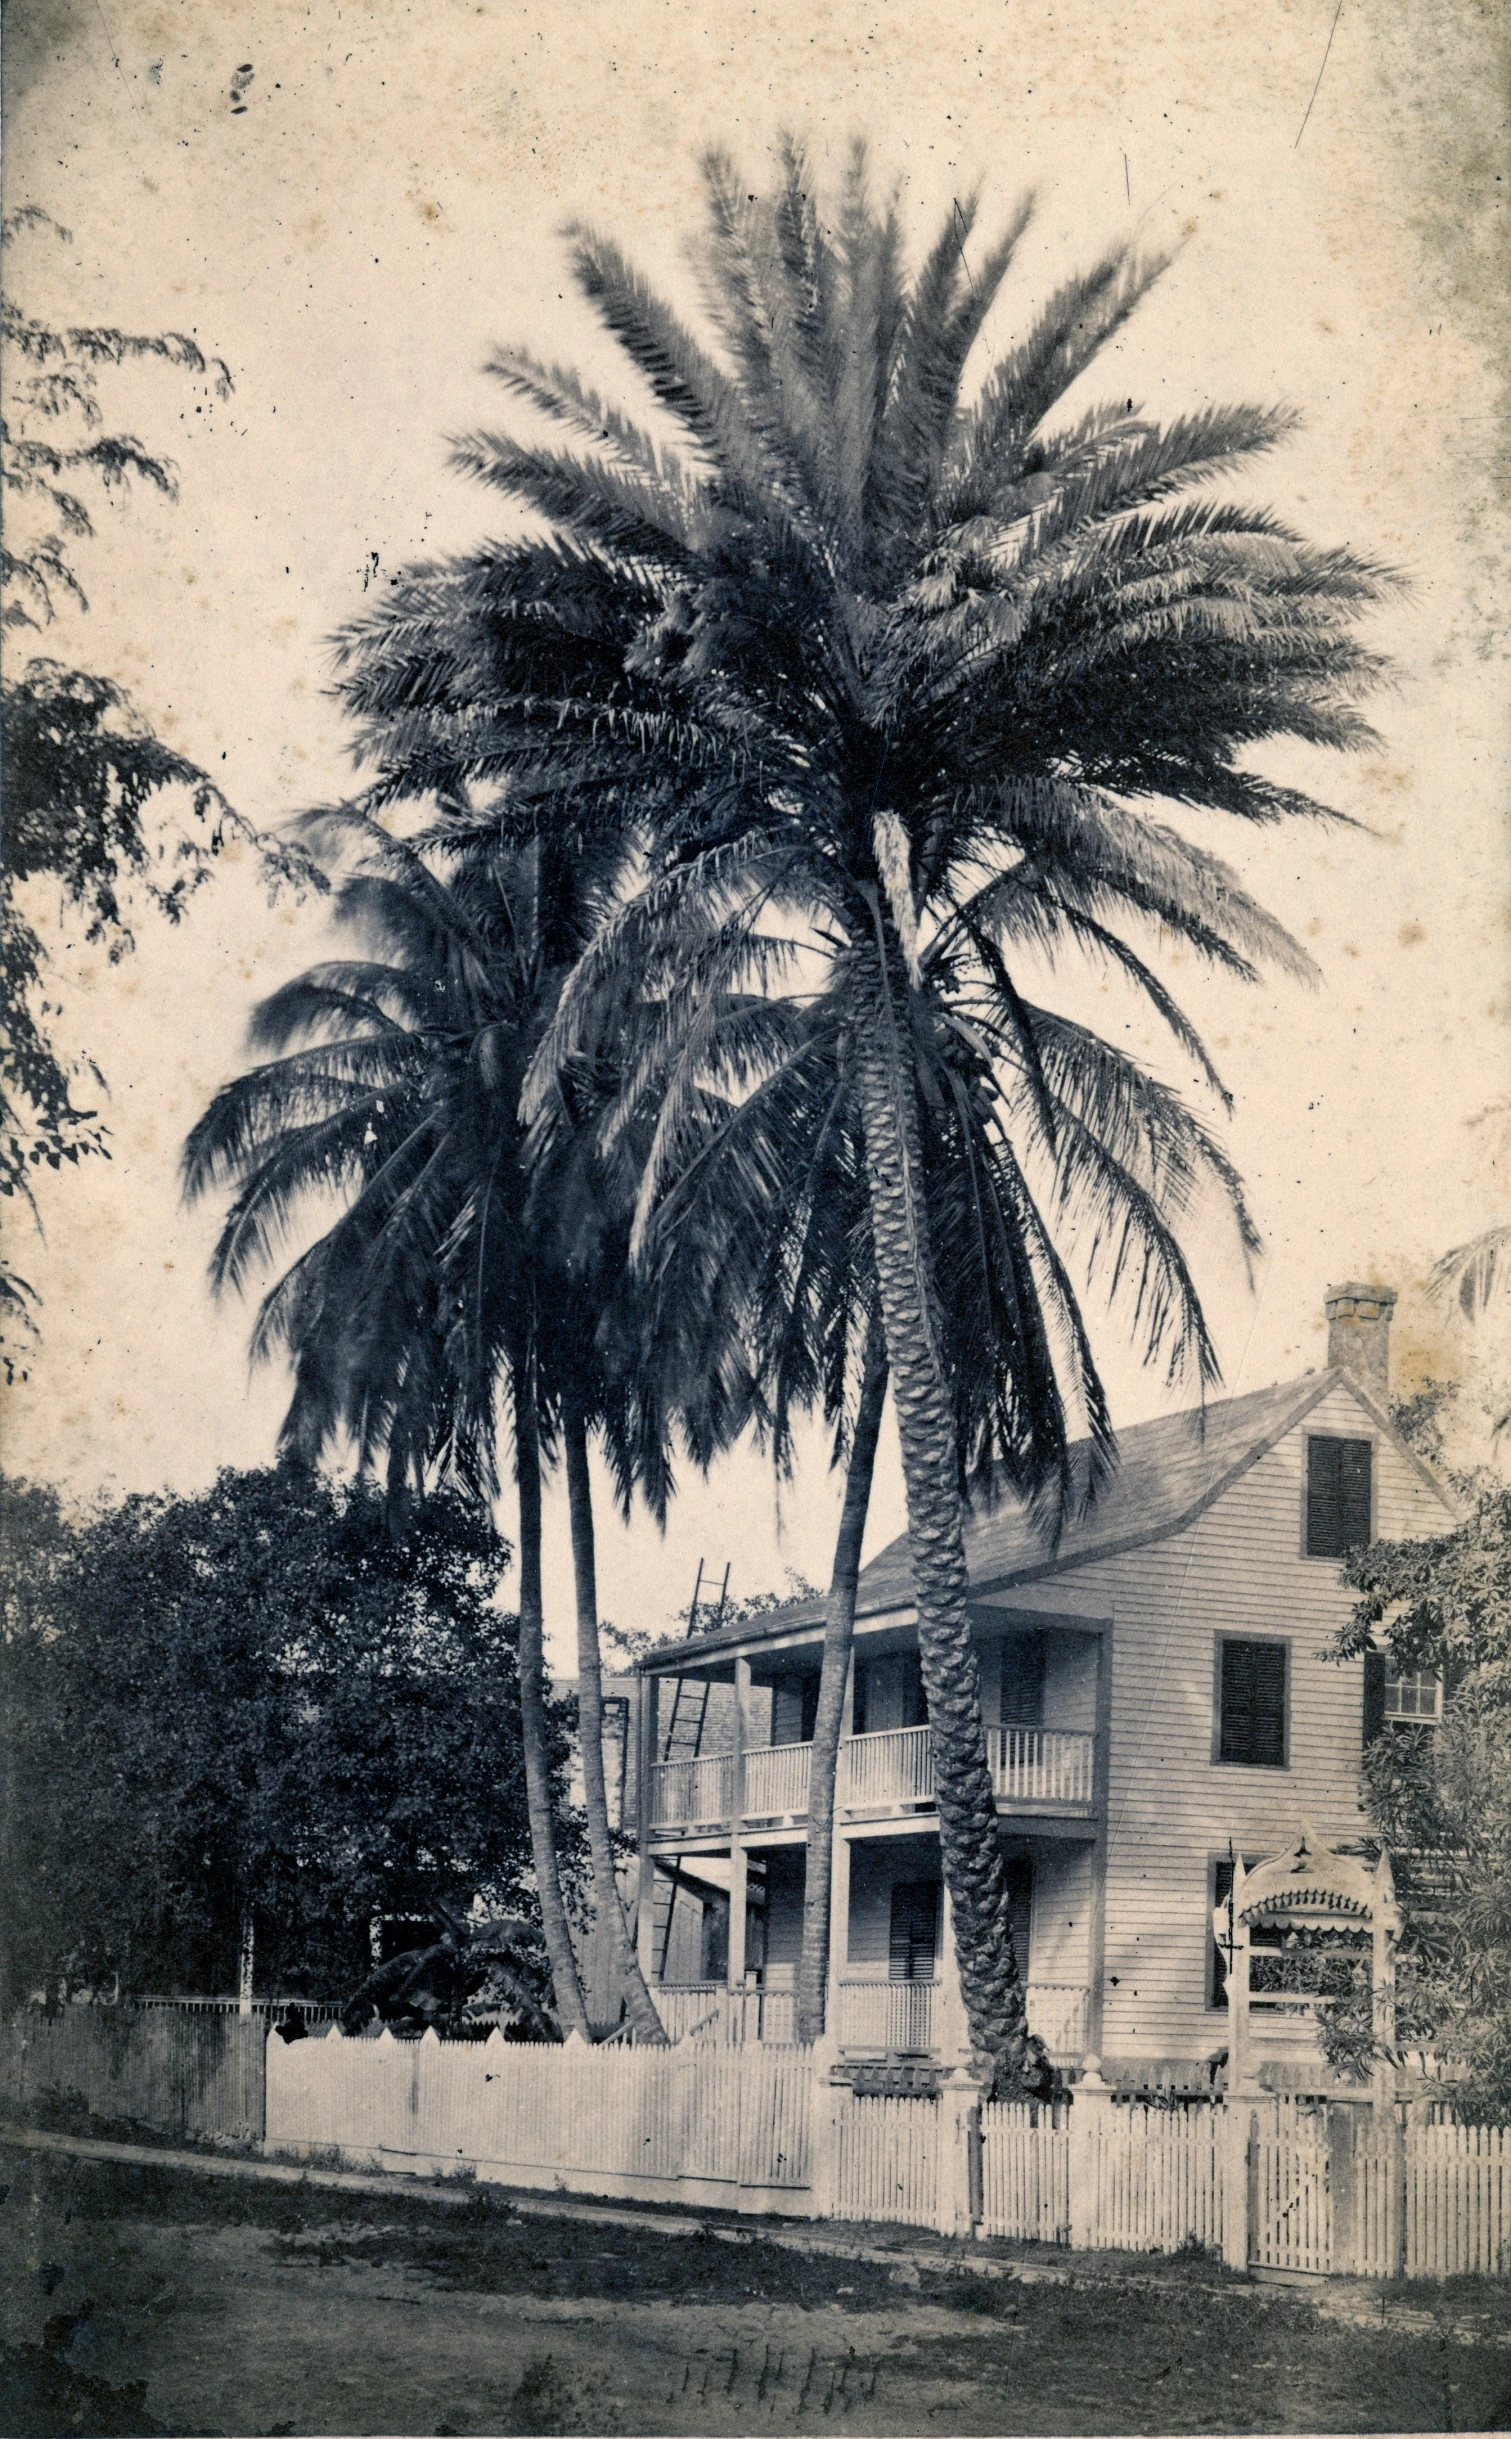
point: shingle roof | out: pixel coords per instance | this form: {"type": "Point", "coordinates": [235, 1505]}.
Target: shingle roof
{"type": "Point", "coordinates": [1168, 1471]}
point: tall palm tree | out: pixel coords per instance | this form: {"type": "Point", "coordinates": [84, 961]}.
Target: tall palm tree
{"type": "Point", "coordinates": [905, 665]}
{"type": "Point", "coordinates": [445, 1279]}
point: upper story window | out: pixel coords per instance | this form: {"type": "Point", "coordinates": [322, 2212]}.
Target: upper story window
{"type": "Point", "coordinates": [1339, 1495]}
{"type": "Point", "coordinates": [1251, 1702]}
{"type": "Point", "coordinates": [1416, 1696]}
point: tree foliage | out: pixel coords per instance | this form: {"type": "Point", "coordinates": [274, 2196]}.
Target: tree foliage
{"type": "Point", "coordinates": [1440, 1797]}
{"type": "Point", "coordinates": [257, 1697]}
{"type": "Point", "coordinates": [82, 768]}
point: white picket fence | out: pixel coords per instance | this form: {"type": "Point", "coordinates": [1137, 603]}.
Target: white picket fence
{"type": "Point", "coordinates": [1156, 2178]}
{"type": "Point", "coordinates": [888, 2164]}
{"type": "Point", "coordinates": [1025, 2172]}
{"type": "Point", "coordinates": [703, 2124]}
{"type": "Point", "coordinates": [1458, 2200]}
{"type": "Point", "coordinates": [1273, 2183]}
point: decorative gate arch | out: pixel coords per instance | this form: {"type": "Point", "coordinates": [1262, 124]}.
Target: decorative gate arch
{"type": "Point", "coordinates": [1310, 1887]}
{"type": "Point", "coordinates": [1323, 2175]}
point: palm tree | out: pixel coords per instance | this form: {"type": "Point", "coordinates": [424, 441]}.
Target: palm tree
{"type": "Point", "coordinates": [443, 1278]}
{"type": "Point", "coordinates": [905, 666]}
{"type": "Point", "coordinates": [1473, 1271]}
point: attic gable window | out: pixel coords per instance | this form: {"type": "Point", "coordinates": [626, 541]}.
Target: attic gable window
{"type": "Point", "coordinates": [1339, 1503]}
{"type": "Point", "coordinates": [1251, 1702]}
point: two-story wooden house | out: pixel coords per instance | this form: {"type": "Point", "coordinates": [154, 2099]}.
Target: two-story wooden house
{"type": "Point", "coordinates": [1159, 1699]}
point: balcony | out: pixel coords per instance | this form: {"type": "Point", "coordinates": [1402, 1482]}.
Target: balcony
{"type": "Point", "coordinates": [890, 1772]}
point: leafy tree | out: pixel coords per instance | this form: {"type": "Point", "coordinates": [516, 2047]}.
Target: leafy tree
{"type": "Point", "coordinates": [1440, 1797]}
{"type": "Point", "coordinates": [256, 1700]}
{"type": "Point", "coordinates": [82, 768]}
{"type": "Point", "coordinates": [904, 668]}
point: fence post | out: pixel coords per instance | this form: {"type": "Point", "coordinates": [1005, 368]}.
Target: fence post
{"type": "Point", "coordinates": [1234, 2138]}
{"type": "Point", "coordinates": [1394, 2134]}
{"type": "Point", "coordinates": [958, 2207]}
{"type": "Point", "coordinates": [1090, 2123]}
{"type": "Point", "coordinates": [826, 2100]}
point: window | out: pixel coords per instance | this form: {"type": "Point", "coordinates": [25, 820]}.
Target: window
{"type": "Point", "coordinates": [1251, 1689]}
{"type": "Point", "coordinates": [915, 1930]}
{"type": "Point", "coordinates": [1415, 1696]}
{"type": "Point", "coordinates": [1338, 1496]}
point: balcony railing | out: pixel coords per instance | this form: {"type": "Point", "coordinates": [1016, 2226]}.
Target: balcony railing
{"type": "Point", "coordinates": [1058, 2013]}
{"type": "Point", "coordinates": [685, 1792]}
{"type": "Point", "coordinates": [894, 1767]}
{"type": "Point", "coordinates": [885, 2015]}
{"type": "Point", "coordinates": [1041, 1765]}
{"type": "Point", "coordinates": [872, 2013]}
{"type": "Point", "coordinates": [776, 1781]}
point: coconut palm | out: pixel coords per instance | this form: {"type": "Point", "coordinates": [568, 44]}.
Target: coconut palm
{"type": "Point", "coordinates": [396, 1084]}
{"type": "Point", "coordinates": [902, 664]}
{"type": "Point", "coordinates": [1472, 1272]}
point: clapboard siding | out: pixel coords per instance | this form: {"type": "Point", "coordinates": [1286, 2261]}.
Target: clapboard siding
{"type": "Point", "coordinates": [1170, 1807]}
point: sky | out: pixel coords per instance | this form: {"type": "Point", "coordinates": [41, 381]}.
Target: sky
{"type": "Point", "coordinates": [352, 204]}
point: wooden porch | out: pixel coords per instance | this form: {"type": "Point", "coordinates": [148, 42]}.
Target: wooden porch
{"type": "Point", "coordinates": [881, 1776]}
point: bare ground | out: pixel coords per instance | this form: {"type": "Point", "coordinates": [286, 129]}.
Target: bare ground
{"type": "Point", "coordinates": [145, 2299]}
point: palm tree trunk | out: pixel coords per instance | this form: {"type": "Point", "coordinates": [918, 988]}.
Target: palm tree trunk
{"type": "Point", "coordinates": [639, 2005]}
{"type": "Point", "coordinates": [970, 1847]}
{"type": "Point", "coordinates": [570, 2011]}
{"type": "Point", "coordinates": [839, 1630]}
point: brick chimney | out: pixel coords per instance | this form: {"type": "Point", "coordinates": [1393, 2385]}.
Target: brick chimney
{"type": "Point", "coordinates": [1358, 1334]}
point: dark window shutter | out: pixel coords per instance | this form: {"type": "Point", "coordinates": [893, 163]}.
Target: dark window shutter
{"type": "Point", "coordinates": [915, 1708]}
{"type": "Point", "coordinates": [858, 1702]}
{"type": "Point", "coordinates": [1338, 1484]}
{"type": "Point", "coordinates": [809, 1710]}
{"type": "Point", "coordinates": [1023, 1680]}
{"type": "Point", "coordinates": [1374, 1695]}
{"type": "Point", "coordinates": [914, 1933]}
{"type": "Point", "coordinates": [1252, 1727]}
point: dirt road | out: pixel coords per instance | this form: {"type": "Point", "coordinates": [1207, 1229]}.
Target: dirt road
{"type": "Point", "coordinates": [247, 2309]}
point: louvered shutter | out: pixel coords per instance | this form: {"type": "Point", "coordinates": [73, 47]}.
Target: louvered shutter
{"type": "Point", "coordinates": [1338, 1496]}
{"type": "Point", "coordinates": [1253, 1704]}
{"type": "Point", "coordinates": [914, 1932]}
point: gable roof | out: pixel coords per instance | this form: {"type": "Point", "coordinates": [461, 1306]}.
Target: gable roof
{"type": "Point", "coordinates": [1170, 1471]}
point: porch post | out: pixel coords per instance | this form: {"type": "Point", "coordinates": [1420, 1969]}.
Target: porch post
{"type": "Point", "coordinates": [839, 1931]}
{"type": "Point", "coordinates": [952, 2038]}
{"type": "Point", "coordinates": [645, 1749]}
{"type": "Point", "coordinates": [739, 1873]}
